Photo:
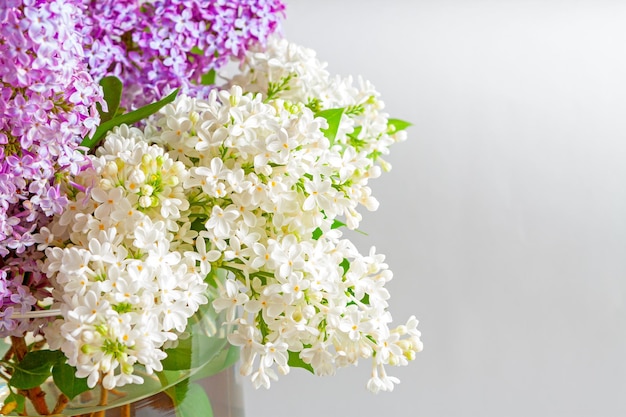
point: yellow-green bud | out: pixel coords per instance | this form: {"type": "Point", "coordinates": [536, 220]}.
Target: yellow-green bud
{"type": "Point", "coordinates": [127, 368]}
{"type": "Point", "coordinates": [147, 190]}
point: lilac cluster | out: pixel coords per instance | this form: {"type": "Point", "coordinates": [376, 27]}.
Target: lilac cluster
{"type": "Point", "coordinates": [51, 51]}
{"type": "Point", "coordinates": [155, 47]}
{"type": "Point", "coordinates": [47, 105]}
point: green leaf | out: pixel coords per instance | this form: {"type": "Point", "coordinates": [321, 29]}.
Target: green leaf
{"type": "Point", "coordinates": [189, 353]}
{"type": "Point", "coordinates": [366, 299]}
{"type": "Point", "coordinates": [297, 362]}
{"type": "Point", "coordinates": [128, 118]}
{"type": "Point", "coordinates": [191, 400]}
{"type": "Point", "coordinates": [337, 224]}
{"type": "Point", "coordinates": [333, 117]}
{"type": "Point", "coordinates": [198, 224]}
{"type": "Point", "coordinates": [396, 125]}
{"type": "Point", "coordinates": [208, 78]}
{"type": "Point", "coordinates": [66, 380]}
{"type": "Point", "coordinates": [225, 359]}
{"type": "Point", "coordinates": [112, 88]}
{"type": "Point", "coordinates": [354, 140]}
{"type": "Point", "coordinates": [179, 391]}
{"type": "Point", "coordinates": [35, 368]}
{"type": "Point", "coordinates": [345, 264]}
{"type": "Point", "coordinates": [19, 400]}
{"type": "Point", "coordinates": [179, 357]}
{"type": "Point", "coordinates": [317, 233]}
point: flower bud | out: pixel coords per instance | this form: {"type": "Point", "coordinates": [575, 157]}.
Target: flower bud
{"type": "Point", "coordinates": [111, 169]}
{"type": "Point", "coordinates": [145, 201]}
{"type": "Point", "coordinates": [147, 190]}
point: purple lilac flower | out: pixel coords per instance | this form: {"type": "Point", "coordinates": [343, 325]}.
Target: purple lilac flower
{"type": "Point", "coordinates": [154, 47]}
{"type": "Point", "coordinates": [47, 105]}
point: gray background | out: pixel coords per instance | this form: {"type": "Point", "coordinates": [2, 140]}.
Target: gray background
{"type": "Point", "coordinates": [504, 217]}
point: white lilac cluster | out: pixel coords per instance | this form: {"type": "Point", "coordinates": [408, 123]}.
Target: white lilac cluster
{"type": "Point", "coordinates": [254, 180]}
{"type": "Point", "coordinates": [292, 72]}
{"type": "Point", "coordinates": [268, 183]}
{"type": "Point", "coordinates": [116, 260]}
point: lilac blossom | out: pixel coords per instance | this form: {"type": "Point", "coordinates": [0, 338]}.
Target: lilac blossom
{"type": "Point", "coordinates": [157, 46]}
{"type": "Point", "coordinates": [47, 105]}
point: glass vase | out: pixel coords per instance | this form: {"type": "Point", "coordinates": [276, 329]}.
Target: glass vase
{"type": "Point", "coordinates": [198, 380]}
{"type": "Point", "coordinates": [223, 390]}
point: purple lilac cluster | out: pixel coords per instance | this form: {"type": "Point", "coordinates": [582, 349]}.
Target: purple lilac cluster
{"type": "Point", "coordinates": [47, 105]}
{"type": "Point", "coordinates": [157, 46]}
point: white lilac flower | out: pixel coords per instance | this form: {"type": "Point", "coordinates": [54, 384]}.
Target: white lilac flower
{"type": "Point", "coordinates": [266, 186]}
{"type": "Point", "coordinates": [122, 290]}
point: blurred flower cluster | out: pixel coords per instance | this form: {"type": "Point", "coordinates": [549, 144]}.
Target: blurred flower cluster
{"type": "Point", "coordinates": [47, 105]}
{"type": "Point", "coordinates": [156, 46]}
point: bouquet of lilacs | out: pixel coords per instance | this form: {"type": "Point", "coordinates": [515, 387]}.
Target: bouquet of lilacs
{"type": "Point", "coordinates": [126, 209]}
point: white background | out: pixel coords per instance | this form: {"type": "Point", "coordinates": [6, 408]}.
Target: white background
{"type": "Point", "coordinates": [504, 217]}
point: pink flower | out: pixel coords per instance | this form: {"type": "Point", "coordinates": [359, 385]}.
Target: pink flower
{"type": "Point", "coordinates": [47, 105]}
{"type": "Point", "coordinates": [155, 47]}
